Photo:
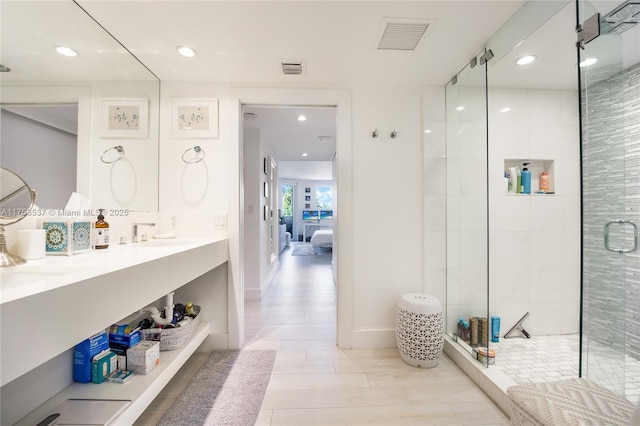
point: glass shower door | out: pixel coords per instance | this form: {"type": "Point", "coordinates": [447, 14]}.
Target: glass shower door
{"type": "Point", "coordinates": [467, 207]}
{"type": "Point", "coordinates": [610, 211]}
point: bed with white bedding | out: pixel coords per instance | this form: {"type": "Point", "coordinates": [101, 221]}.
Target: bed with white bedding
{"type": "Point", "coordinates": [322, 238]}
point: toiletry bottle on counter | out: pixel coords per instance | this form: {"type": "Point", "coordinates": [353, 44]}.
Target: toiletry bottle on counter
{"type": "Point", "coordinates": [526, 179]}
{"type": "Point", "coordinates": [102, 232]}
{"type": "Point", "coordinates": [544, 182]}
{"type": "Point", "coordinates": [519, 186]}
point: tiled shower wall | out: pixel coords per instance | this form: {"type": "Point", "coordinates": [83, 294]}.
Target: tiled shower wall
{"type": "Point", "coordinates": [611, 154]}
{"type": "Point", "coordinates": [535, 239]}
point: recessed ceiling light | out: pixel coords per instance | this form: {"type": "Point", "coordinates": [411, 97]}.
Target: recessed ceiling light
{"type": "Point", "coordinates": [460, 108]}
{"type": "Point", "coordinates": [505, 109]}
{"type": "Point", "coordinates": [526, 60]}
{"type": "Point", "coordinates": [428, 131]}
{"type": "Point", "coordinates": [305, 154]}
{"type": "Point", "coordinates": [588, 61]}
{"type": "Point", "coordinates": [302, 118]}
{"type": "Point", "coordinates": [66, 51]}
{"type": "Point", "coordinates": [186, 51]}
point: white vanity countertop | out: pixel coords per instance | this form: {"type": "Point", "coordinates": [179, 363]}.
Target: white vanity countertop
{"type": "Point", "coordinates": [37, 276]}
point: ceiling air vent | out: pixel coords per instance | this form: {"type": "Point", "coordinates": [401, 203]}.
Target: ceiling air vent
{"type": "Point", "coordinates": [402, 33]}
{"type": "Point", "coordinates": [292, 67]}
{"type": "Point", "coordinates": [325, 139]}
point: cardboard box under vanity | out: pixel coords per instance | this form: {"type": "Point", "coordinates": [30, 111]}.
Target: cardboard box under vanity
{"type": "Point", "coordinates": [67, 237]}
{"type": "Point", "coordinates": [143, 357]}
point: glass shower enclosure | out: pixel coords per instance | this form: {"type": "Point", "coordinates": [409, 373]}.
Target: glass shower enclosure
{"type": "Point", "coordinates": [610, 112]}
{"type": "Point", "coordinates": [571, 258]}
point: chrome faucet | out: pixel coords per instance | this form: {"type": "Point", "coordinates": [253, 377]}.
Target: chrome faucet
{"type": "Point", "coordinates": [134, 230]}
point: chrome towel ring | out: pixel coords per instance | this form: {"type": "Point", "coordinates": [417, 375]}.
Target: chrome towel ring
{"type": "Point", "coordinates": [199, 155]}
{"type": "Point", "coordinates": [119, 149]}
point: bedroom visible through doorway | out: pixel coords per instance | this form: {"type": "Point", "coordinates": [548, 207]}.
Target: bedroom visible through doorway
{"type": "Point", "coordinates": [282, 214]}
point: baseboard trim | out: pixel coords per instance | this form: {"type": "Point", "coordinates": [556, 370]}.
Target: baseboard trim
{"type": "Point", "coordinates": [374, 339]}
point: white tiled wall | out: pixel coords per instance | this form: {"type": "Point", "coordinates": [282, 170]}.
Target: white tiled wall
{"type": "Point", "coordinates": [535, 240]}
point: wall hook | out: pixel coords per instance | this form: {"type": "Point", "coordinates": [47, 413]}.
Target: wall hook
{"type": "Point", "coordinates": [393, 134]}
{"type": "Point", "coordinates": [374, 134]}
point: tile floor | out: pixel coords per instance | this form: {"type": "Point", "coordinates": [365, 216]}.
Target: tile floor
{"type": "Point", "coordinates": [549, 358]}
{"type": "Point", "coordinates": [316, 383]}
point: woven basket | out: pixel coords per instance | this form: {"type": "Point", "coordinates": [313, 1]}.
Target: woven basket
{"type": "Point", "coordinates": [173, 338]}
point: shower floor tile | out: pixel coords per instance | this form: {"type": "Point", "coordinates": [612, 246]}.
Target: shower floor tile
{"type": "Point", "coordinates": [547, 358]}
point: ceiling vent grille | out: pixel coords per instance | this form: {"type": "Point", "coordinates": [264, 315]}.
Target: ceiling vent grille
{"type": "Point", "coordinates": [402, 33]}
{"type": "Point", "coordinates": [292, 67]}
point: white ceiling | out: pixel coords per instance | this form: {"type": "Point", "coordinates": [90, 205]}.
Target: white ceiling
{"type": "Point", "coordinates": [243, 42]}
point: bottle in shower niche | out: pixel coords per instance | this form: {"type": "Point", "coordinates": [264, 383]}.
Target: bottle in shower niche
{"type": "Point", "coordinates": [101, 240]}
{"type": "Point", "coordinates": [526, 179]}
{"type": "Point", "coordinates": [544, 182]}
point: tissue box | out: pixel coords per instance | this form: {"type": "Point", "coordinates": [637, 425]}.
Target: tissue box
{"type": "Point", "coordinates": [143, 357]}
{"type": "Point", "coordinates": [67, 237]}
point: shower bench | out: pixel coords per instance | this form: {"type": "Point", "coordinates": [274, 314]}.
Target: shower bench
{"type": "Point", "coordinates": [567, 402]}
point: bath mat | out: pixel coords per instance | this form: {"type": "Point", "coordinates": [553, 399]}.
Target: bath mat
{"type": "Point", "coordinates": [303, 250]}
{"type": "Point", "coordinates": [227, 390]}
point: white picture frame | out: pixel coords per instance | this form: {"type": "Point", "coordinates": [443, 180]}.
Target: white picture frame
{"type": "Point", "coordinates": [124, 118]}
{"type": "Point", "coordinates": [194, 118]}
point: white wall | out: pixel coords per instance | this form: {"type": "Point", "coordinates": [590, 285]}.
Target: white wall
{"type": "Point", "coordinates": [387, 209]}
{"type": "Point", "coordinates": [131, 183]}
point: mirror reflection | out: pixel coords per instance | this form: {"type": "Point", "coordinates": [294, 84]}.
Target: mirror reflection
{"type": "Point", "coordinates": [16, 200]}
{"type": "Point", "coordinates": [52, 104]}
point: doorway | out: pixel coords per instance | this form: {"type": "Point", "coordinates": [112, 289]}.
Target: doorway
{"type": "Point", "coordinates": [288, 153]}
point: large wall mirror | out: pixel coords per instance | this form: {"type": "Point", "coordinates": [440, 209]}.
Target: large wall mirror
{"type": "Point", "coordinates": [60, 114]}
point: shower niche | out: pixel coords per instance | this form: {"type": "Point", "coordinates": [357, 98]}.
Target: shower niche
{"type": "Point", "coordinates": [536, 167]}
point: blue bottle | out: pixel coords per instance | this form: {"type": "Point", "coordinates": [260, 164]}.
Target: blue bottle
{"type": "Point", "coordinates": [526, 179]}
{"type": "Point", "coordinates": [495, 329]}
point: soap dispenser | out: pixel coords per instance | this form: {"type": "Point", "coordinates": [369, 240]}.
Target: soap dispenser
{"type": "Point", "coordinates": [102, 232]}
{"type": "Point", "coordinates": [526, 179]}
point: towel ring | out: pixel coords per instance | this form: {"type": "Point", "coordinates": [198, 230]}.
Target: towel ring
{"type": "Point", "coordinates": [118, 149]}
{"type": "Point", "coordinates": [199, 155]}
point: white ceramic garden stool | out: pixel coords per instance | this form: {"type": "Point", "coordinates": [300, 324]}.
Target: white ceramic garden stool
{"type": "Point", "coordinates": [420, 329]}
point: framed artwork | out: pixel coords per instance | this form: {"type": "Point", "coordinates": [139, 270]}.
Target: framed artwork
{"type": "Point", "coordinates": [266, 189]}
{"type": "Point", "coordinates": [265, 166]}
{"type": "Point", "coordinates": [307, 190]}
{"type": "Point", "coordinates": [307, 206]}
{"type": "Point", "coordinates": [265, 212]}
{"type": "Point", "coordinates": [124, 118]}
{"type": "Point", "coordinates": [307, 197]}
{"type": "Point", "coordinates": [194, 118]}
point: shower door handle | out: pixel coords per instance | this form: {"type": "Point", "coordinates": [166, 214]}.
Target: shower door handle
{"type": "Point", "coordinates": [636, 233]}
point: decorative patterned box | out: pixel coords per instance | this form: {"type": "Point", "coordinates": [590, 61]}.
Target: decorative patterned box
{"type": "Point", "coordinates": [67, 237]}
